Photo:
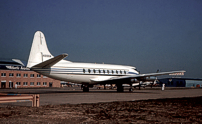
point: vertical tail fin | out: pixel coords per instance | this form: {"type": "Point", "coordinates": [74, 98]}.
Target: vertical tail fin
{"type": "Point", "coordinates": [39, 50]}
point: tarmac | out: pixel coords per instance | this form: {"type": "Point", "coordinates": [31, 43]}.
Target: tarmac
{"type": "Point", "coordinates": [74, 95]}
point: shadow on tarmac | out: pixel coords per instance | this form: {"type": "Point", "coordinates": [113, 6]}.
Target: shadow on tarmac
{"type": "Point", "coordinates": [64, 90]}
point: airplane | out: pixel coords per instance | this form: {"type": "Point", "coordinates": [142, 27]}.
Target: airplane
{"type": "Point", "coordinates": [88, 74]}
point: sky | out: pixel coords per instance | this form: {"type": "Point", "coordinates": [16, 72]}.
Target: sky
{"type": "Point", "coordinates": [146, 34]}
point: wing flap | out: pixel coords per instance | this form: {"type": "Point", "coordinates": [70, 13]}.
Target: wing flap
{"type": "Point", "coordinates": [50, 62]}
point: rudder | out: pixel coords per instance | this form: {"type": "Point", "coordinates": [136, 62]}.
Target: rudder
{"type": "Point", "coordinates": [39, 50]}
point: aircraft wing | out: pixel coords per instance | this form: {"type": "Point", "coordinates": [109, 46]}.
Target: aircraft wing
{"type": "Point", "coordinates": [138, 77]}
{"type": "Point", "coordinates": [50, 62]}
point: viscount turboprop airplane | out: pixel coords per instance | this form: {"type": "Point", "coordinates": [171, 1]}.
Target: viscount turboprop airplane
{"type": "Point", "coordinates": [87, 74]}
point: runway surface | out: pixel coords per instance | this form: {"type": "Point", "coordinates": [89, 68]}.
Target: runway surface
{"type": "Point", "coordinates": [71, 105]}
{"type": "Point", "coordinates": [74, 95]}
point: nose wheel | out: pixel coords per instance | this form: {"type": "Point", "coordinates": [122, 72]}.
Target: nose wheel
{"type": "Point", "coordinates": [130, 89]}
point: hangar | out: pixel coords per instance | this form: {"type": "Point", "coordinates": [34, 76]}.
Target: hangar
{"type": "Point", "coordinates": [14, 74]}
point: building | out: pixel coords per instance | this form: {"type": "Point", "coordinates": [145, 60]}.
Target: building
{"type": "Point", "coordinates": [181, 82]}
{"type": "Point", "coordinates": [13, 74]}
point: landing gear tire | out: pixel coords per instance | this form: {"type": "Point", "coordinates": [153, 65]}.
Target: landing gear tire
{"type": "Point", "coordinates": [120, 88]}
{"type": "Point", "coordinates": [85, 88]}
{"type": "Point", "coordinates": [130, 89]}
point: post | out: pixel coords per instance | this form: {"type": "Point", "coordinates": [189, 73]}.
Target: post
{"type": "Point", "coordinates": [34, 101]}
{"type": "Point", "coordinates": [37, 100]}
{"type": "Point", "coordinates": [163, 86]}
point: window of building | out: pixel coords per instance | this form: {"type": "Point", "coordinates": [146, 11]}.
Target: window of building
{"type": "Point", "coordinates": [31, 83]}
{"type": "Point", "coordinates": [38, 75]}
{"type": "Point", "coordinates": [18, 83]}
{"type": "Point", "coordinates": [25, 75]}
{"type": "Point", "coordinates": [10, 74]}
{"type": "Point", "coordinates": [32, 75]}
{"type": "Point", "coordinates": [38, 83]}
{"type": "Point", "coordinates": [44, 83]}
{"type": "Point", "coordinates": [18, 75]}
{"type": "Point", "coordinates": [3, 74]}
{"type": "Point", "coordinates": [44, 77]}
{"type": "Point", "coordinates": [25, 83]}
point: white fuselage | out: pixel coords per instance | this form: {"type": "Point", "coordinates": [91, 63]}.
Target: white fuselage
{"type": "Point", "coordinates": [85, 72]}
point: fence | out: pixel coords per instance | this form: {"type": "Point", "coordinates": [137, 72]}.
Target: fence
{"type": "Point", "coordinates": [6, 98]}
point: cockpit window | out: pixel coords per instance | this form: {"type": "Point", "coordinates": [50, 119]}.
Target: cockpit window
{"type": "Point", "coordinates": [136, 70]}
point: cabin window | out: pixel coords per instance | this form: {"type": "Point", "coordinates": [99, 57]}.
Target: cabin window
{"type": "Point", "coordinates": [99, 71]}
{"type": "Point", "coordinates": [120, 72]}
{"type": "Point", "coordinates": [94, 70]}
{"type": "Point", "coordinates": [84, 70]}
{"type": "Point", "coordinates": [104, 71]}
{"type": "Point", "coordinates": [88, 70]}
{"type": "Point", "coordinates": [112, 71]}
{"type": "Point", "coordinates": [117, 72]}
{"type": "Point", "coordinates": [108, 71]}
{"type": "Point", "coordinates": [125, 72]}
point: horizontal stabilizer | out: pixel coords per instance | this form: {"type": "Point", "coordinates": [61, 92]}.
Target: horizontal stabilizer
{"type": "Point", "coordinates": [50, 62]}
{"type": "Point", "coordinates": [18, 61]}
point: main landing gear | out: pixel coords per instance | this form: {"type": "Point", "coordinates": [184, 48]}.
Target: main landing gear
{"type": "Point", "coordinates": [85, 88]}
{"type": "Point", "coordinates": [119, 88]}
{"type": "Point", "coordinates": [131, 88]}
